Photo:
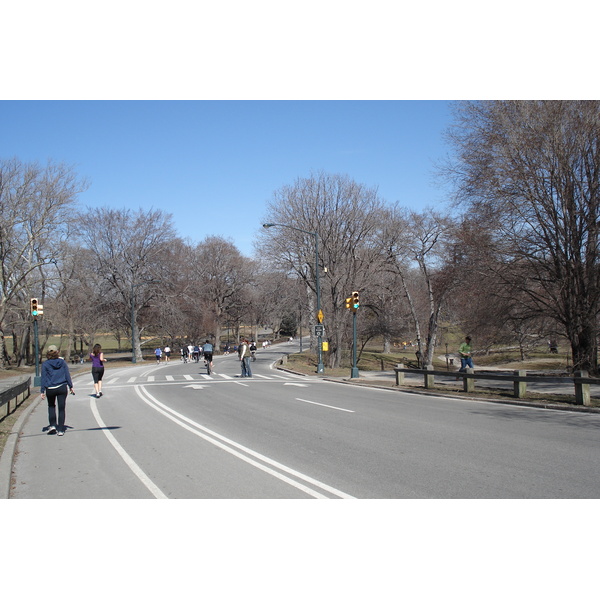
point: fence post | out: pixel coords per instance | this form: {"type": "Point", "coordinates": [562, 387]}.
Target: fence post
{"type": "Point", "coordinates": [520, 387]}
{"type": "Point", "coordinates": [400, 374]}
{"type": "Point", "coordinates": [582, 390]}
{"type": "Point", "coordinates": [469, 382]}
{"type": "Point", "coordinates": [429, 377]}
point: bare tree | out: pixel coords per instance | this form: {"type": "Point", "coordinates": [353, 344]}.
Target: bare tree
{"type": "Point", "coordinates": [423, 241]}
{"type": "Point", "coordinates": [220, 275]}
{"type": "Point", "coordinates": [344, 216]}
{"type": "Point", "coordinates": [532, 169]}
{"type": "Point", "coordinates": [130, 251]}
{"type": "Point", "coordinates": [36, 209]}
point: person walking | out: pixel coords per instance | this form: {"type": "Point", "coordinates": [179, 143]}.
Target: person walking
{"type": "Point", "coordinates": [244, 356]}
{"type": "Point", "coordinates": [55, 385]}
{"type": "Point", "coordinates": [167, 353]}
{"type": "Point", "coordinates": [466, 355]}
{"type": "Point", "coordinates": [97, 358]}
{"type": "Point", "coordinates": [158, 353]}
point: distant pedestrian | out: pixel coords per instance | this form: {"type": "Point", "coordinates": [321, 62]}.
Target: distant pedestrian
{"type": "Point", "coordinates": [167, 353]}
{"type": "Point", "coordinates": [466, 355]}
{"type": "Point", "coordinates": [158, 353]}
{"type": "Point", "coordinates": [56, 383]}
{"type": "Point", "coordinates": [244, 356]}
{"type": "Point", "coordinates": [207, 351]}
{"type": "Point", "coordinates": [97, 358]}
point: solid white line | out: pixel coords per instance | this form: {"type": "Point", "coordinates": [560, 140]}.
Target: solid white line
{"type": "Point", "coordinates": [162, 408]}
{"type": "Point", "coordinates": [325, 405]}
{"type": "Point", "coordinates": [154, 489]}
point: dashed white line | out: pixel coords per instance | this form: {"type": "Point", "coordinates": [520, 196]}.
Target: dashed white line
{"type": "Point", "coordinates": [325, 405]}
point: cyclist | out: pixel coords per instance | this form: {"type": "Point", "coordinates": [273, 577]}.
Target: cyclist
{"type": "Point", "coordinates": [207, 350]}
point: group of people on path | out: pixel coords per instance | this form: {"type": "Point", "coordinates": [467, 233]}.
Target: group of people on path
{"type": "Point", "coordinates": [56, 382]}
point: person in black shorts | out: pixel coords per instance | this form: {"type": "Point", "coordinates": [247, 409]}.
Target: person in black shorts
{"type": "Point", "coordinates": [207, 350]}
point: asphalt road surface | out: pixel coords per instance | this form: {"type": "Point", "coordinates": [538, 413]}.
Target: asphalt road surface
{"type": "Point", "coordinates": [169, 430]}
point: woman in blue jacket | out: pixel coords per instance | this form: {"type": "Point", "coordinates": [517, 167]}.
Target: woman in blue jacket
{"type": "Point", "coordinates": [55, 381]}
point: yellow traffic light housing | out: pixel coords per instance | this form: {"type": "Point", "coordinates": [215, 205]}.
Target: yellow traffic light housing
{"type": "Point", "coordinates": [355, 301]}
{"type": "Point", "coordinates": [348, 303]}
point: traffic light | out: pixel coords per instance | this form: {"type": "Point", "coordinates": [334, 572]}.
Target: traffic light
{"type": "Point", "coordinates": [33, 303]}
{"type": "Point", "coordinates": [355, 301]}
{"type": "Point", "coordinates": [348, 303]}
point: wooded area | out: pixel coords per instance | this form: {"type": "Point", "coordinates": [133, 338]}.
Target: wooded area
{"type": "Point", "coordinates": [514, 261]}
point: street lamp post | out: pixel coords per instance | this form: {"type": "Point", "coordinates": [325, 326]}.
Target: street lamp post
{"type": "Point", "coordinates": [320, 367]}
{"type": "Point", "coordinates": [133, 323]}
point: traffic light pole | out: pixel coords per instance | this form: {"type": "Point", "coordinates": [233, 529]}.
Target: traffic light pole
{"type": "Point", "coordinates": [37, 380]}
{"type": "Point", "coordinates": [354, 373]}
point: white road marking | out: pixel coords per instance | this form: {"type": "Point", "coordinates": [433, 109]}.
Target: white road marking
{"type": "Point", "coordinates": [154, 489]}
{"type": "Point", "coordinates": [325, 405]}
{"type": "Point", "coordinates": [188, 377]}
{"type": "Point", "coordinates": [210, 436]}
{"type": "Point", "coordinates": [150, 377]}
{"type": "Point", "coordinates": [205, 376]}
{"type": "Point", "coordinates": [169, 378]}
{"type": "Point", "coordinates": [297, 384]}
{"type": "Point", "coordinates": [131, 379]}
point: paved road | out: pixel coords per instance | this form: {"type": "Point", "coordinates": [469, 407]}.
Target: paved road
{"type": "Point", "coordinates": [171, 431]}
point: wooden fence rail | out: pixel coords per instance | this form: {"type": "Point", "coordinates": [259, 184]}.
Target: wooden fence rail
{"type": "Point", "coordinates": [581, 380]}
{"type": "Point", "coordinates": [18, 392]}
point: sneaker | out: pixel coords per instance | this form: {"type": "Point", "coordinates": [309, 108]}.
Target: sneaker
{"type": "Point", "coordinates": [61, 432]}
{"type": "Point", "coordinates": [100, 394]}
{"type": "Point", "coordinates": [51, 430]}
{"type": "Point", "coordinates": [97, 395]}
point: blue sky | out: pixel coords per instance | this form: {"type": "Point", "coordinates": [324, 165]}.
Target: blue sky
{"type": "Point", "coordinates": [214, 164]}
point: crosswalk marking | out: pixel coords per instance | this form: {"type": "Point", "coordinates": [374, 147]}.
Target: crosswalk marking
{"type": "Point", "coordinates": [213, 377]}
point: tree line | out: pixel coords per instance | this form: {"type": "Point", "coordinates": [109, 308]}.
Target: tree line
{"type": "Point", "coordinates": [513, 259]}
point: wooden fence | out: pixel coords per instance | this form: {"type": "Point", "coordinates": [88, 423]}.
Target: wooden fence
{"type": "Point", "coordinates": [581, 380]}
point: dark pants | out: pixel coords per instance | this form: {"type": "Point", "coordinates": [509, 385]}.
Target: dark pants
{"type": "Point", "coordinates": [54, 396]}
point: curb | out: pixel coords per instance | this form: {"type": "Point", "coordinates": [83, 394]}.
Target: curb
{"type": "Point", "coordinates": [8, 454]}
{"type": "Point", "coordinates": [440, 394]}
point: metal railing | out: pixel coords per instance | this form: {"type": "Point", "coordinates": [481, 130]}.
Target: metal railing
{"type": "Point", "coordinates": [17, 392]}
